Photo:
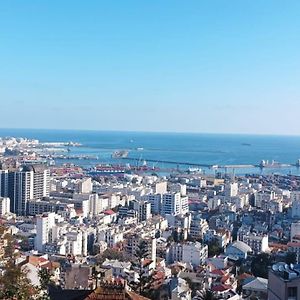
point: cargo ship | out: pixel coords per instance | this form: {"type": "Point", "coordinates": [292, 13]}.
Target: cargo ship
{"type": "Point", "coordinates": [104, 170]}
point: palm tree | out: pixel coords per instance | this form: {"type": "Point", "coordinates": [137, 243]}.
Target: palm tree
{"type": "Point", "coordinates": [206, 295]}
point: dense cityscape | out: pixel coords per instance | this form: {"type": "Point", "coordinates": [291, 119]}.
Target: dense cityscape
{"type": "Point", "coordinates": [149, 150]}
{"type": "Point", "coordinates": [109, 232]}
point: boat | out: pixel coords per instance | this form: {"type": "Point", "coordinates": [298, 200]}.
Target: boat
{"type": "Point", "coordinates": [120, 154]}
{"type": "Point", "coordinates": [101, 170]}
{"type": "Point", "coordinates": [139, 149]}
{"type": "Point", "coordinates": [246, 144]}
{"type": "Point", "coordinates": [194, 170]}
{"type": "Point", "coordinates": [272, 164]}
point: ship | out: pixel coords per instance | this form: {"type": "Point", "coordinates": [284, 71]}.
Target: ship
{"type": "Point", "coordinates": [120, 154]}
{"type": "Point", "coordinates": [272, 164]}
{"type": "Point", "coordinates": [101, 170]}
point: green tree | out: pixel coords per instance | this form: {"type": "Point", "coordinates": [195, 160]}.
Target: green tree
{"type": "Point", "coordinates": [45, 278]}
{"type": "Point", "coordinates": [214, 249]}
{"type": "Point", "coordinates": [260, 265]}
{"type": "Point", "coordinates": [206, 295]}
{"type": "Point", "coordinates": [14, 284]}
{"type": "Point", "coordinates": [291, 258]}
{"type": "Point", "coordinates": [111, 254]}
{"type": "Point", "coordinates": [145, 285]}
{"type": "Point", "coordinates": [141, 253]}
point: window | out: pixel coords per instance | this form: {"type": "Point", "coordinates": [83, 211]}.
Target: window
{"type": "Point", "coordinates": [292, 292]}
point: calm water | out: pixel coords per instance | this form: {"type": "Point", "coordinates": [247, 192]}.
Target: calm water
{"type": "Point", "coordinates": [193, 148]}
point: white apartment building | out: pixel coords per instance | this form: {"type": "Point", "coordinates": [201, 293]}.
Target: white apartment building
{"type": "Point", "coordinates": [133, 241]}
{"type": "Point", "coordinates": [231, 190]}
{"type": "Point", "coordinates": [156, 202]}
{"type": "Point", "coordinates": [198, 227]}
{"type": "Point", "coordinates": [263, 196]}
{"type": "Point", "coordinates": [258, 243]}
{"type": "Point", "coordinates": [4, 206]}
{"type": "Point", "coordinates": [75, 243]}
{"type": "Point", "coordinates": [189, 252]}
{"type": "Point", "coordinates": [143, 209]}
{"type": "Point", "coordinates": [178, 188]}
{"type": "Point", "coordinates": [112, 236]}
{"type": "Point", "coordinates": [174, 204]}
{"type": "Point", "coordinates": [44, 224]}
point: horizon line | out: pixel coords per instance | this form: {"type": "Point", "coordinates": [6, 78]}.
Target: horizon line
{"type": "Point", "coordinates": [153, 131]}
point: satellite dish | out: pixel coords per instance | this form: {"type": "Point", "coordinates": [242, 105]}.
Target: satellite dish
{"type": "Point", "coordinates": [281, 268]}
{"type": "Point", "coordinates": [275, 268]}
{"type": "Point", "coordinates": [292, 266]}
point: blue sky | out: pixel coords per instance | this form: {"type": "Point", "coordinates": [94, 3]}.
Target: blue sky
{"type": "Point", "coordinates": [196, 66]}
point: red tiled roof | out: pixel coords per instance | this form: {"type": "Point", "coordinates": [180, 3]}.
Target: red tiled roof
{"type": "Point", "coordinates": [244, 276]}
{"type": "Point", "coordinates": [225, 278]}
{"type": "Point", "coordinates": [293, 244]}
{"type": "Point", "coordinates": [147, 262]}
{"type": "Point", "coordinates": [109, 212]}
{"type": "Point", "coordinates": [159, 275]}
{"type": "Point", "coordinates": [221, 288]}
{"type": "Point", "coordinates": [218, 272]}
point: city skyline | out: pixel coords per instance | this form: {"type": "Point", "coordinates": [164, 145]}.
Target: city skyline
{"type": "Point", "coordinates": [210, 67]}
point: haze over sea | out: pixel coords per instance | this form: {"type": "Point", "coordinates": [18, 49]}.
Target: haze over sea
{"type": "Point", "coordinates": [212, 149]}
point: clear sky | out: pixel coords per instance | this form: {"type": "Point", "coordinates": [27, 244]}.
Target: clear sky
{"type": "Point", "coordinates": [158, 65]}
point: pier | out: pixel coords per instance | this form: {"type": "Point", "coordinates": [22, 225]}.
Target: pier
{"type": "Point", "coordinates": [210, 166]}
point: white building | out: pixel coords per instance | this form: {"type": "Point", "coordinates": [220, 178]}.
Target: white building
{"type": "Point", "coordinates": [143, 209]}
{"type": "Point", "coordinates": [44, 224]}
{"type": "Point", "coordinates": [189, 252]}
{"type": "Point", "coordinates": [85, 186]}
{"type": "Point", "coordinates": [263, 196]}
{"type": "Point", "coordinates": [231, 189]}
{"type": "Point", "coordinates": [75, 243]}
{"type": "Point", "coordinates": [258, 243]}
{"type": "Point", "coordinates": [174, 204]}
{"type": "Point", "coordinates": [160, 187]}
{"type": "Point", "coordinates": [112, 236]}
{"type": "Point", "coordinates": [214, 203]}
{"type": "Point", "coordinates": [156, 202]}
{"type": "Point", "coordinates": [238, 249]}
{"type": "Point", "coordinates": [4, 206]}
{"type": "Point", "coordinates": [133, 242]}
{"type": "Point", "coordinates": [178, 188]}
{"type": "Point", "coordinates": [198, 228]}
{"type": "Point", "coordinates": [295, 230]}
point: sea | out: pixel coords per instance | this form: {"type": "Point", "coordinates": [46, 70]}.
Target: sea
{"type": "Point", "coordinates": [169, 151]}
